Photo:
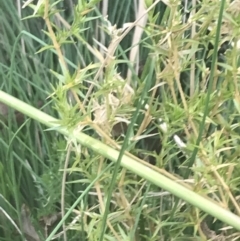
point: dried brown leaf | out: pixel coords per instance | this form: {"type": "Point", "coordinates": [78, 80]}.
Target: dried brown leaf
{"type": "Point", "coordinates": [28, 228]}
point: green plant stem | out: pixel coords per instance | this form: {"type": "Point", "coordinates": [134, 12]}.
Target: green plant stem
{"type": "Point", "coordinates": [209, 91]}
{"type": "Point", "coordinates": [121, 153]}
{"type": "Point", "coordinates": [145, 172]}
{"type": "Point", "coordinates": [76, 203]}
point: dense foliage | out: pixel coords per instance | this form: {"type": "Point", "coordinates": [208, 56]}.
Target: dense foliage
{"type": "Point", "coordinates": [156, 79]}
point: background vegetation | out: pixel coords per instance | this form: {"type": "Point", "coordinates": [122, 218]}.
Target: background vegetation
{"type": "Point", "coordinates": [156, 79]}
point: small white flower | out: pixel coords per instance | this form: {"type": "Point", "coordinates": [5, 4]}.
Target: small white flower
{"type": "Point", "coordinates": [179, 142]}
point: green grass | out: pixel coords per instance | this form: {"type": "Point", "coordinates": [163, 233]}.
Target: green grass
{"type": "Point", "coordinates": [122, 148]}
